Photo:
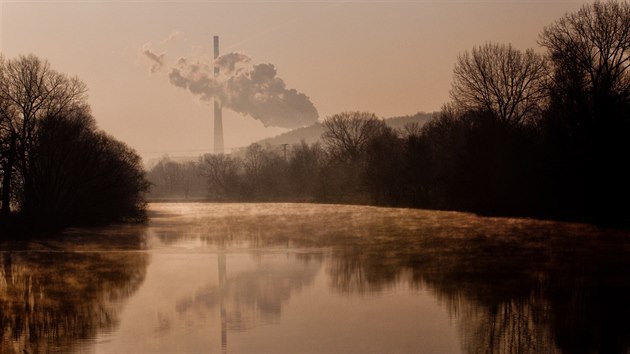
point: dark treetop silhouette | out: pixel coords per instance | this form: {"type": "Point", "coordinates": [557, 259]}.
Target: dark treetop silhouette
{"type": "Point", "coordinates": [57, 169]}
{"type": "Point", "coordinates": [525, 134]}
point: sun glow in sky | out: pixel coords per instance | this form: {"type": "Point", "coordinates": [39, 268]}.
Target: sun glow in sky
{"type": "Point", "coordinates": [388, 57]}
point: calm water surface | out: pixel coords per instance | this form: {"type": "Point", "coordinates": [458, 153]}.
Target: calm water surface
{"type": "Point", "coordinates": [287, 278]}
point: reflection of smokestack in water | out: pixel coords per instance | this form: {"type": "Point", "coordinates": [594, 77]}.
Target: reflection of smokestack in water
{"type": "Point", "coordinates": [222, 287]}
{"type": "Point", "coordinates": [218, 114]}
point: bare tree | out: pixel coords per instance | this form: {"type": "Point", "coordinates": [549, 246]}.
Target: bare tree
{"type": "Point", "coordinates": [254, 162]}
{"type": "Point", "coordinates": [592, 47]}
{"type": "Point", "coordinates": [347, 134]}
{"type": "Point", "coordinates": [589, 116]}
{"type": "Point", "coordinates": [304, 168]}
{"type": "Point", "coordinates": [502, 80]}
{"type": "Point", "coordinates": [222, 173]}
{"type": "Point", "coordinates": [29, 91]}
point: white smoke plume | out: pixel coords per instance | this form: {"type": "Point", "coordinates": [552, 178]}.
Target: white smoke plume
{"type": "Point", "coordinates": [157, 60]}
{"type": "Point", "coordinates": [172, 36]}
{"type": "Point", "coordinates": [253, 90]}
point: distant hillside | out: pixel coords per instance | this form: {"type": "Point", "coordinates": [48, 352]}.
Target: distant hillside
{"type": "Point", "coordinates": [310, 134]}
{"type": "Point", "coordinates": [313, 133]}
{"type": "Point", "coordinates": [400, 122]}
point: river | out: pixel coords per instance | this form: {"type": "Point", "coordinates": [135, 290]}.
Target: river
{"type": "Point", "coordinates": [290, 278]}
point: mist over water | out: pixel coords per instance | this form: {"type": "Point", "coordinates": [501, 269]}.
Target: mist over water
{"type": "Point", "coordinates": [318, 278]}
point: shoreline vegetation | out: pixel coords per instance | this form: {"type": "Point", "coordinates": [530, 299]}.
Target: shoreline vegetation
{"type": "Point", "coordinates": [531, 133]}
{"type": "Point", "coordinates": [57, 169]}
{"type": "Point", "coordinates": [527, 133]}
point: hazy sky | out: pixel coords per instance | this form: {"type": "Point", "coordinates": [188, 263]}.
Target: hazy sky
{"type": "Point", "coordinates": [388, 57]}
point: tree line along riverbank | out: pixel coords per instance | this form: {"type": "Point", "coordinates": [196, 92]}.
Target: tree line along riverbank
{"type": "Point", "coordinates": [528, 133]}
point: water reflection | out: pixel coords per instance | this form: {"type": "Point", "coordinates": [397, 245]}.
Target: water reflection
{"type": "Point", "coordinates": [254, 296]}
{"type": "Point", "coordinates": [513, 285]}
{"type": "Point", "coordinates": [57, 299]}
{"type": "Point", "coordinates": [322, 278]}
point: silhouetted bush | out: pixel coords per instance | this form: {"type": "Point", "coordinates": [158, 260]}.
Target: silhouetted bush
{"type": "Point", "coordinates": [57, 169]}
{"type": "Point", "coordinates": [176, 180]}
{"type": "Point", "coordinates": [81, 176]}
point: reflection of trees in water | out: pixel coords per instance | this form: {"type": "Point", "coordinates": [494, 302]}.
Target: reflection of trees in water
{"type": "Point", "coordinates": [52, 300]}
{"type": "Point", "coordinates": [363, 271]}
{"type": "Point", "coordinates": [514, 326]}
{"type": "Point", "coordinates": [257, 295]}
{"type": "Point", "coordinates": [551, 288]}
{"type": "Point", "coordinates": [516, 285]}
{"type": "Point", "coordinates": [590, 299]}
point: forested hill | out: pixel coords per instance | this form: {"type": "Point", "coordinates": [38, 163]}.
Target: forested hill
{"type": "Point", "coordinates": [312, 133]}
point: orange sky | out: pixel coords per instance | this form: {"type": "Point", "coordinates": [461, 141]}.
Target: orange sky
{"type": "Point", "coordinates": [388, 57]}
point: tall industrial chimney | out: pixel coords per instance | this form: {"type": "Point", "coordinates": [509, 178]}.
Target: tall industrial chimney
{"type": "Point", "coordinates": [218, 114]}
